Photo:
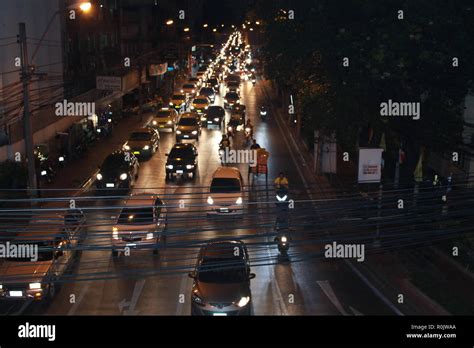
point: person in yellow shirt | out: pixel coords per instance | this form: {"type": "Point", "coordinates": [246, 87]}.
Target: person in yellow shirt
{"type": "Point", "coordinates": [281, 182]}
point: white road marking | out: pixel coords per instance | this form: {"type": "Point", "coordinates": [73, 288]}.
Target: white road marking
{"type": "Point", "coordinates": [327, 289]}
{"type": "Point", "coordinates": [355, 311]}
{"type": "Point", "coordinates": [137, 290]}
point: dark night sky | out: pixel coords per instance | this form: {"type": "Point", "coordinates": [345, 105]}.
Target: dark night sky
{"type": "Point", "coordinates": [224, 11]}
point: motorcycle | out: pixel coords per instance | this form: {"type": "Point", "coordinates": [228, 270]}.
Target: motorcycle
{"type": "Point", "coordinates": [263, 113]}
{"type": "Point", "coordinates": [283, 243]}
{"type": "Point", "coordinates": [105, 127]}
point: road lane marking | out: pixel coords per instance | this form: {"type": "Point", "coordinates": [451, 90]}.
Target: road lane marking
{"type": "Point", "coordinates": [137, 290]}
{"type": "Point", "coordinates": [355, 311]}
{"type": "Point", "coordinates": [327, 289]}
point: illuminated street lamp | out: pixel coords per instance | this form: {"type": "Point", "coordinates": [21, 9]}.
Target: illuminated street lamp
{"type": "Point", "coordinates": [85, 6]}
{"type": "Point", "coordinates": [214, 30]}
{"type": "Point", "coordinates": [257, 22]}
{"type": "Point", "coordinates": [205, 25]}
{"type": "Point", "coordinates": [169, 22]}
{"type": "Point", "coordinates": [251, 29]}
{"type": "Point", "coordinates": [186, 29]}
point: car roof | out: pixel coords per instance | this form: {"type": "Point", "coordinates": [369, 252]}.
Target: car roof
{"type": "Point", "coordinates": [142, 130]}
{"type": "Point", "coordinates": [141, 199]}
{"type": "Point", "coordinates": [189, 115]}
{"type": "Point", "coordinates": [222, 249]}
{"type": "Point", "coordinates": [226, 172]}
{"type": "Point", "coordinates": [183, 145]}
{"type": "Point", "coordinates": [180, 94]}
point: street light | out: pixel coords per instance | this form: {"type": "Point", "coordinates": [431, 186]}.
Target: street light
{"type": "Point", "coordinates": [169, 22]}
{"type": "Point", "coordinates": [205, 25]}
{"type": "Point", "coordinates": [214, 30]}
{"type": "Point", "coordinates": [27, 71]}
{"type": "Point", "coordinates": [257, 22]}
{"type": "Point", "coordinates": [186, 29]}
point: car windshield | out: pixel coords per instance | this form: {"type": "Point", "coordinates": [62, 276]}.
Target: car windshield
{"type": "Point", "coordinates": [136, 216]}
{"type": "Point", "coordinates": [207, 91]}
{"type": "Point", "coordinates": [116, 161]}
{"type": "Point", "coordinates": [44, 252]}
{"type": "Point", "coordinates": [188, 121]}
{"type": "Point", "coordinates": [220, 270]}
{"type": "Point", "coordinates": [181, 152]}
{"type": "Point", "coordinates": [178, 97]}
{"type": "Point", "coordinates": [200, 101]}
{"type": "Point", "coordinates": [232, 96]}
{"type": "Point", "coordinates": [215, 111]}
{"type": "Point", "coordinates": [232, 84]}
{"type": "Point", "coordinates": [140, 136]}
{"type": "Point", "coordinates": [188, 86]}
{"type": "Point", "coordinates": [164, 113]}
{"type": "Point", "coordinates": [225, 185]}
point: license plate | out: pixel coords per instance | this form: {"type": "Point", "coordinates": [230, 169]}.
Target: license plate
{"type": "Point", "coordinates": [16, 293]}
{"type": "Point", "coordinates": [109, 185]}
{"type": "Point", "coordinates": [179, 172]}
{"type": "Point", "coordinates": [209, 121]}
{"type": "Point", "coordinates": [161, 126]}
{"type": "Point", "coordinates": [136, 152]}
{"type": "Point", "coordinates": [198, 110]}
{"type": "Point", "coordinates": [224, 210]}
{"type": "Point", "coordinates": [186, 136]}
{"type": "Point", "coordinates": [219, 314]}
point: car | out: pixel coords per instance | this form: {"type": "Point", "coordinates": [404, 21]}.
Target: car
{"type": "Point", "coordinates": [189, 89]}
{"type": "Point", "coordinates": [200, 104]}
{"type": "Point", "coordinates": [231, 99]}
{"type": "Point", "coordinates": [189, 126]}
{"type": "Point", "coordinates": [141, 224]}
{"type": "Point", "coordinates": [209, 93]}
{"type": "Point", "coordinates": [178, 101]}
{"type": "Point", "coordinates": [164, 119]}
{"type": "Point", "coordinates": [233, 86]}
{"type": "Point", "coordinates": [214, 83]}
{"type": "Point", "coordinates": [201, 75]}
{"type": "Point", "coordinates": [56, 240]}
{"type": "Point", "coordinates": [182, 159]}
{"type": "Point", "coordinates": [232, 78]}
{"type": "Point", "coordinates": [221, 280]}
{"type": "Point", "coordinates": [143, 142]}
{"type": "Point", "coordinates": [214, 115]}
{"type": "Point", "coordinates": [226, 194]}
{"type": "Point", "coordinates": [196, 81]}
{"type": "Point", "coordinates": [118, 171]}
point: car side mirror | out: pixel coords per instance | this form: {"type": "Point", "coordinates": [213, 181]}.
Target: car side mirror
{"type": "Point", "coordinates": [252, 275]}
{"type": "Point", "coordinates": [192, 275]}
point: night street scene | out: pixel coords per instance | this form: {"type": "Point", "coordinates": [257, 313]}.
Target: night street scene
{"type": "Point", "coordinates": [164, 160]}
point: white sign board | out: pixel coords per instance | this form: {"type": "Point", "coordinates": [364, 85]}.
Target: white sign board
{"type": "Point", "coordinates": [370, 165]}
{"type": "Point", "coordinates": [108, 83]}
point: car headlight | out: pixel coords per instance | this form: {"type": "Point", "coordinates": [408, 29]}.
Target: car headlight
{"type": "Point", "coordinates": [123, 176]}
{"type": "Point", "coordinates": [1, 287]}
{"type": "Point", "coordinates": [243, 301]}
{"type": "Point", "coordinates": [115, 233]}
{"type": "Point", "coordinates": [229, 129]}
{"type": "Point", "coordinates": [178, 132]}
{"type": "Point", "coordinates": [169, 122]}
{"type": "Point", "coordinates": [216, 119]}
{"type": "Point", "coordinates": [44, 172]}
{"type": "Point", "coordinates": [239, 200]}
{"type": "Point", "coordinates": [198, 300]}
{"type": "Point", "coordinates": [192, 107]}
{"type": "Point", "coordinates": [35, 286]}
{"type": "Point", "coordinates": [194, 132]}
{"type": "Point", "coordinates": [169, 166]}
{"type": "Point", "coordinates": [126, 147]}
{"type": "Point", "coordinates": [99, 176]}
{"type": "Point", "coordinates": [171, 104]}
{"type": "Point", "coordinates": [182, 90]}
{"type": "Point", "coordinates": [203, 118]}
{"type": "Point", "coordinates": [210, 200]}
{"type": "Point", "coordinates": [149, 236]}
{"type": "Point", "coordinates": [155, 123]}
{"type": "Point", "coordinates": [146, 147]}
{"type": "Point", "coordinates": [206, 107]}
{"type": "Point", "coordinates": [283, 239]}
{"type": "Point", "coordinates": [193, 91]}
{"type": "Point", "coordinates": [189, 166]}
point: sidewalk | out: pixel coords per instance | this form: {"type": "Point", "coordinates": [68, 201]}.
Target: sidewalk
{"type": "Point", "coordinates": [386, 271]}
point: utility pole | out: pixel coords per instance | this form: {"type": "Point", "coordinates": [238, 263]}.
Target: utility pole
{"type": "Point", "coordinates": [27, 129]}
